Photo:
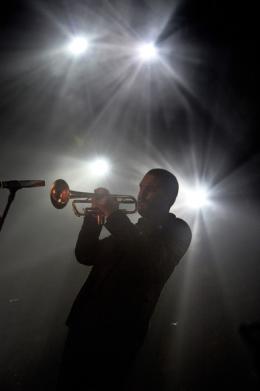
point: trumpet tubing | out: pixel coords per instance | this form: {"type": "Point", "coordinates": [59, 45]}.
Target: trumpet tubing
{"type": "Point", "coordinates": [60, 195]}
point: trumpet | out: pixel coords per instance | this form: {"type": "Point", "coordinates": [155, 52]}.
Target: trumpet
{"type": "Point", "coordinates": [60, 195]}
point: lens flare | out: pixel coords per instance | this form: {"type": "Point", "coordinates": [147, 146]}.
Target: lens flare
{"type": "Point", "coordinates": [196, 198]}
{"type": "Point", "coordinates": [78, 46]}
{"type": "Point", "coordinates": [99, 167]}
{"type": "Point", "coordinates": [147, 52]}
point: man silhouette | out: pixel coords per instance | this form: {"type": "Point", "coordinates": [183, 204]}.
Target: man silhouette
{"type": "Point", "coordinates": [110, 316]}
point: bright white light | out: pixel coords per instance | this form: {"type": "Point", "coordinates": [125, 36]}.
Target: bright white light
{"type": "Point", "coordinates": [99, 167]}
{"type": "Point", "coordinates": [147, 51]}
{"type": "Point", "coordinates": [196, 198]}
{"type": "Point", "coordinates": [78, 45]}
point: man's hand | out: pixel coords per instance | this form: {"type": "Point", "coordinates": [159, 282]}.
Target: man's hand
{"type": "Point", "coordinates": [103, 201]}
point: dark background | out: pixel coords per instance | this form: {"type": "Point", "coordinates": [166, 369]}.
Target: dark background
{"type": "Point", "coordinates": [194, 113]}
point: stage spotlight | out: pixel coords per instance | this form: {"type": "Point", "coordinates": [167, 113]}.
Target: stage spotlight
{"type": "Point", "coordinates": [196, 198]}
{"type": "Point", "coordinates": [99, 167]}
{"type": "Point", "coordinates": [147, 52]}
{"type": "Point", "coordinates": [77, 46]}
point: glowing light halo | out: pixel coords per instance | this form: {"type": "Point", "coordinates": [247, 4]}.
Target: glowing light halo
{"type": "Point", "coordinates": [147, 51]}
{"type": "Point", "coordinates": [99, 167]}
{"type": "Point", "coordinates": [78, 45]}
{"type": "Point", "coordinates": [196, 197]}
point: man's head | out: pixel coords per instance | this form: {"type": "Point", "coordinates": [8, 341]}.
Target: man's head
{"type": "Point", "coordinates": [158, 191]}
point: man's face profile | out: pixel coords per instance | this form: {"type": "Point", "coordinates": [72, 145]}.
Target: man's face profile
{"type": "Point", "coordinates": [151, 196]}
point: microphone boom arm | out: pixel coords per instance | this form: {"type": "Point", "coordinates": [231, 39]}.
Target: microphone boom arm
{"type": "Point", "coordinates": [13, 186]}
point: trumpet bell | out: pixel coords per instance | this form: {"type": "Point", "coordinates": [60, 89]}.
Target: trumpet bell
{"type": "Point", "coordinates": [60, 194]}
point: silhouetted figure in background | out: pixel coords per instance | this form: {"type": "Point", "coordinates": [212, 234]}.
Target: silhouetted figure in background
{"type": "Point", "coordinates": [110, 316]}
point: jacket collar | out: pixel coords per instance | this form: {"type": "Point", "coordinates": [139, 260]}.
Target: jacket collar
{"type": "Point", "coordinates": [146, 226]}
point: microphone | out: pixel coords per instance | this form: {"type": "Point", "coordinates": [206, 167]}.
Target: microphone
{"type": "Point", "coordinates": [16, 185]}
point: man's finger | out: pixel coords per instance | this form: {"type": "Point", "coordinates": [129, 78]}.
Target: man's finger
{"type": "Point", "coordinates": [101, 190]}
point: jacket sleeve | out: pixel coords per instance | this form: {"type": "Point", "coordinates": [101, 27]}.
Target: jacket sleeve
{"type": "Point", "coordinates": [86, 250]}
{"type": "Point", "coordinates": [89, 248]}
{"type": "Point", "coordinates": [119, 225]}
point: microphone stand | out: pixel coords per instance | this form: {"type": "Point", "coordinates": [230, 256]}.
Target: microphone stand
{"type": "Point", "coordinates": [12, 193]}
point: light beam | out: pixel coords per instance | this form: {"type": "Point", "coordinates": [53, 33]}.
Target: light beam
{"type": "Point", "coordinates": [78, 45]}
{"type": "Point", "coordinates": [197, 197]}
{"type": "Point", "coordinates": [99, 167]}
{"type": "Point", "coordinates": [147, 52]}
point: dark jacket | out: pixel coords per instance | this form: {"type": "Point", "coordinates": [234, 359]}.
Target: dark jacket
{"type": "Point", "coordinates": [130, 268]}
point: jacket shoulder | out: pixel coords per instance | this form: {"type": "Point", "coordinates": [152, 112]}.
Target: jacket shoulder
{"type": "Point", "coordinates": [183, 229]}
{"type": "Point", "coordinates": [181, 234]}
{"type": "Point", "coordinates": [183, 225]}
